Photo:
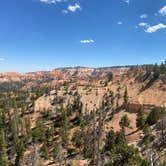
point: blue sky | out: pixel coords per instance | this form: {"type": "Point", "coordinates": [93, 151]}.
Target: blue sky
{"type": "Point", "coordinates": [45, 34]}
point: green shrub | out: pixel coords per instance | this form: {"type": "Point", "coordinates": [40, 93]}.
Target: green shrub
{"type": "Point", "coordinates": [155, 115]}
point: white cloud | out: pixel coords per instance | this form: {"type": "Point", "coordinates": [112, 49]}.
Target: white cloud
{"type": "Point", "coordinates": [127, 1]}
{"type": "Point", "coordinates": [162, 11]}
{"type": "Point", "coordinates": [65, 11]}
{"type": "Point", "coordinates": [152, 29]}
{"type": "Point", "coordinates": [120, 23]}
{"type": "Point", "coordinates": [143, 16]}
{"type": "Point", "coordinates": [48, 1]}
{"type": "Point", "coordinates": [52, 1]}
{"type": "Point", "coordinates": [74, 8]}
{"type": "Point", "coordinates": [143, 24]}
{"type": "Point", "coordinates": [2, 59]}
{"type": "Point", "coordinates": [87, 41]}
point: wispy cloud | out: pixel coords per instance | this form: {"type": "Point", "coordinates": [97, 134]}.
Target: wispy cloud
{"type": "Point", "coordinates": [127, 1]}
{"type": "Point", "coordinates": [74, 8]}
{"type": "Point", "coordinates": [155, 14]}
{"type": "Point", "coordinates": [155, 28]}
{"type": "Point", "coordinates": [65, 11]}
{"type": "Point", "coordinates": [162, 11]}
{"type": "Point", "coordinates": [87, 41]}
{"type": "Point", "coordinates": [152, 29]}
{"type": "Point", "coordinates": [48, 1]}
{"type": "Point", "coordinates": [2, 59]}
{"type": "Point", "coordinates": [143, 16]}
{"type": "Point", "coordinates": [143, 24]}
{"type": "Point", "coordinates": [51, 1]}
{"type": "Point", "coordinates": [120, 23]}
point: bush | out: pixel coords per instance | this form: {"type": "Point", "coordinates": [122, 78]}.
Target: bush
{"type": "Point", "coordinates": [155, 115]}
{"type": "Point", "coordinates": [78, 138]}
{"type": "Point", "coordinates": [38, 134]}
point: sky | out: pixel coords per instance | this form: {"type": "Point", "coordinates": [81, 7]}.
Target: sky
{"type": "Point", "coordinates": [40, 35]}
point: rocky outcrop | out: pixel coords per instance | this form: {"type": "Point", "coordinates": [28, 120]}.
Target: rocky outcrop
{"type": "Point", "coordinates": [63, 74]}
{"type": "Point", "coordinates": [134, 107]}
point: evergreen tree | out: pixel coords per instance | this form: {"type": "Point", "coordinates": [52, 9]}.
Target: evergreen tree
{"type": "Point", "coordinates": [64, 127]}
{"type": "Point", "coordinates": [14, 129]}
{"type": "Point", "coordinates": [45, 150]}
{"type": "Point", "coordinates": [78, 138]}
{"type": "Point", "coordinates": [124, 122]}
{"type": "Point", "coordinates": [125, 96]}
{"type": "Point", "coordinates": [20, 147]}
{"type": "Point", "coordinates": [110, 141]}
{"type": "Point", "coordinates": [38, 133]}
{"type": "Point", "coordinates": [1, 120]}
{"type": "Point", "coordinates": [120, 139]}
{"type": "Point", "coordinates": [155, 115]}
{"type": "Point", "coordinates": [140, 118]}
{"type": "Point", "coordinates": [28, 124]}
{"type": "Point", "coordinates": [3, 149]}
{"type": "Point", "coordinates": [120, 153]}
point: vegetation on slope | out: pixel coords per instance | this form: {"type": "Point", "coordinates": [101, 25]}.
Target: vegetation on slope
{"type": "Point", "coordinates": [70, 132]}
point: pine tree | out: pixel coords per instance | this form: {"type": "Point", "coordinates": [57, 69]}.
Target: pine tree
{"type": "Point", "coordinates": [94, 139]}
{"type": "Point", "coordinates": [28, 125]}
{"type": "Point", "coordinates": [3, 149]}
{"type": "Point", "coordinates": [1, 120]}
{"type": "Point", "coordinates": [45, 150]}
{"type": "Point", "coordinates": [140, 118]}
{"type": "Point", "coordinates": [38, 133]}
{"type": "Point", "coordinates": [64, 128]}
{"type": "Point", "coordinates": [110, 141]}
{"type": "Point", "coordinates": [19, 147]}
{"type": "Point", "coordinates": [124, 122]}
{"type": "Point", "coordinates": [125, 96]}
{"type": "Point", "coordinates": [14, 129]}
